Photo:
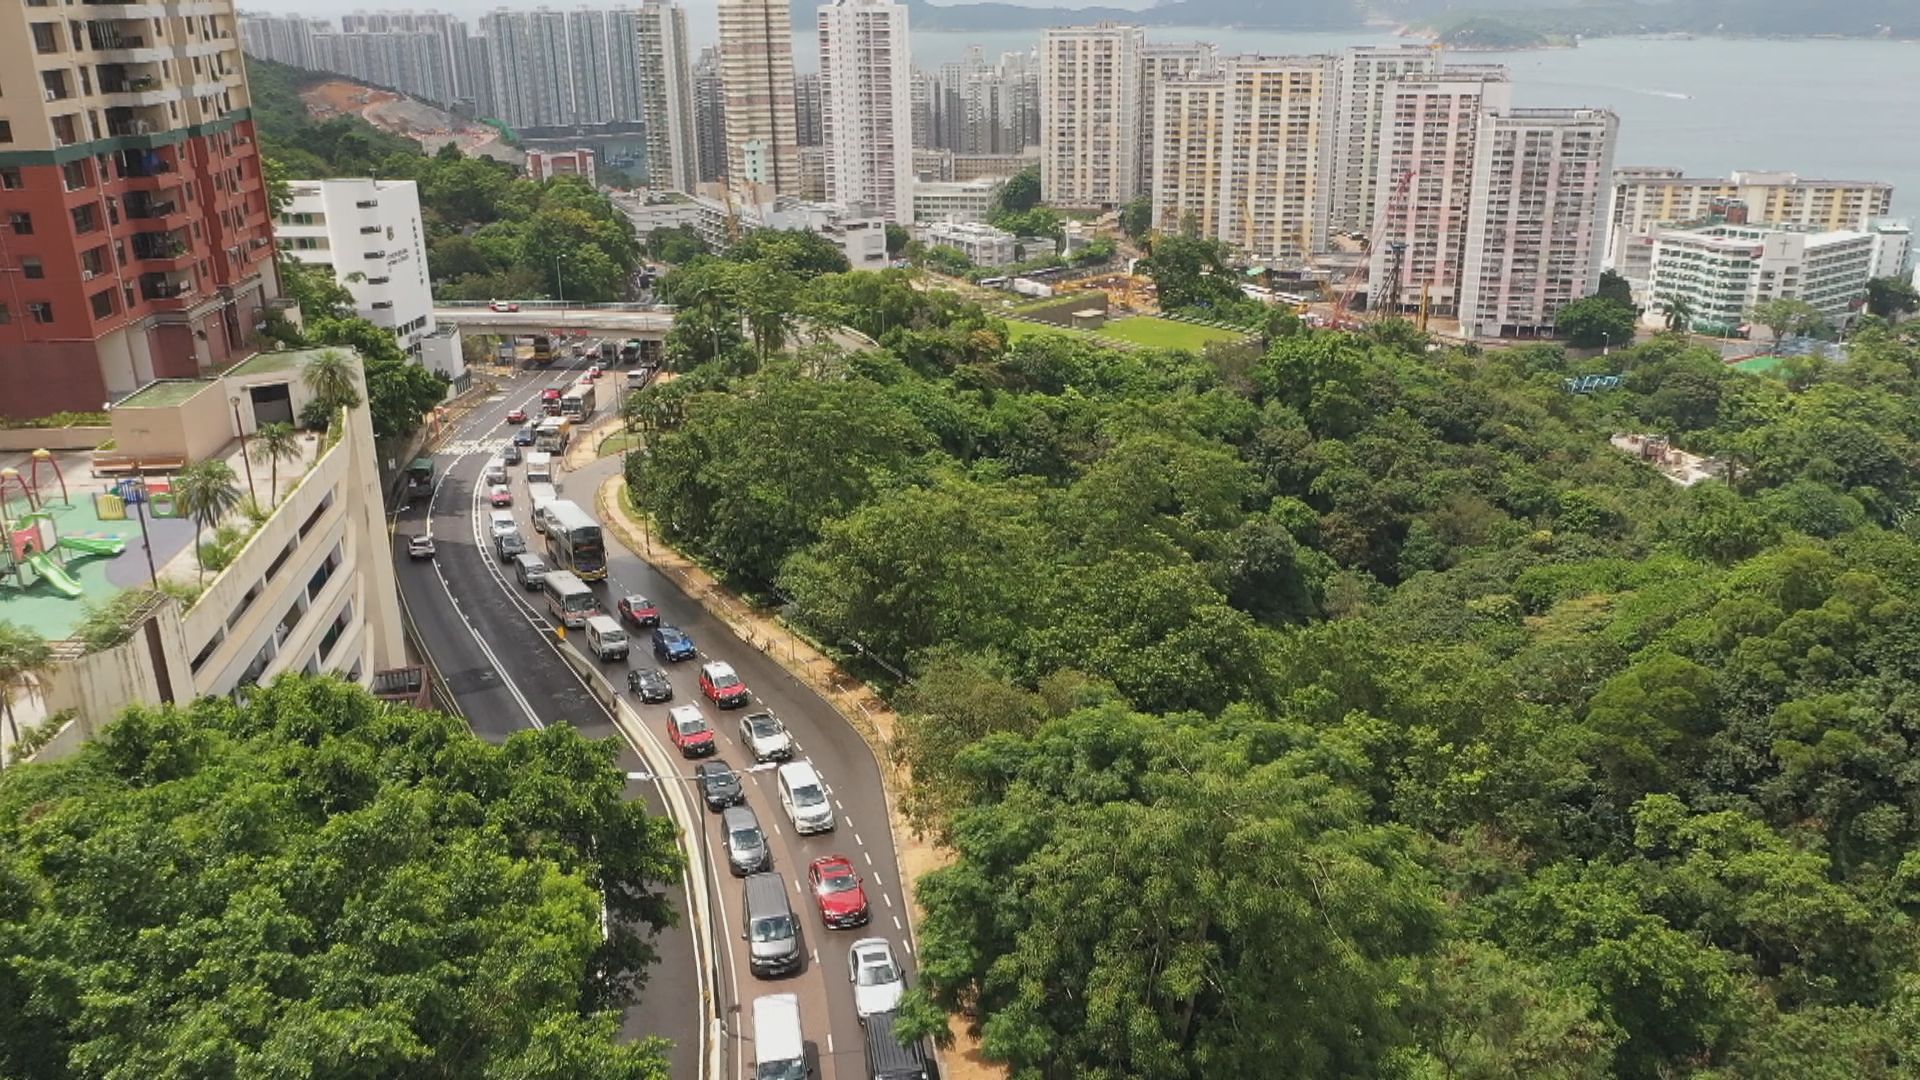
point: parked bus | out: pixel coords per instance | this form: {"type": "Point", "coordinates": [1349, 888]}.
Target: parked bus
{"type": "Point", "coordinates": [553, 434]}
{"type": "Point", "coordinates": [569, 601]}
{"type": "Point", "coordinates": [550, 401]}
{"type": "Point", "coordinates": [577, 404]}
{"type": "Point", "coordinates": [573, 541]}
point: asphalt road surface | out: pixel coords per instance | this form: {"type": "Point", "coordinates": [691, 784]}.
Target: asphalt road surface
{"type": "Point", "coordinates": [494, 646]}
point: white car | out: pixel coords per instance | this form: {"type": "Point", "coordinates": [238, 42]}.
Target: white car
{"type": "Point", "coordinates": [503, 305]}
{"type": "Point", "coordinates": [878, 983]}
{"type": "Point", "coordinates": [766, 737]}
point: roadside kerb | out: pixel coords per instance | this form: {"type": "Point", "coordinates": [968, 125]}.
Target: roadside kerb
{"type": "Point", "coordinates": [664, 767]}
{"type": "Point", "coordinates": [846, 695]}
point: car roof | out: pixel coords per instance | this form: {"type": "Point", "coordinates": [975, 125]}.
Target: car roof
{"type": "Point", "coordinates": [799, 772]}
{"type": "Point", "coordinates": [718, 667]}
{"type": "Point", "coordinates": [867, 947]}
{"type": "Point", "coordinates": [829, 862]}
{"type": "Point", "coordinates": [687, 712]}
{"type": "Point", "coordinates": [738, 817]}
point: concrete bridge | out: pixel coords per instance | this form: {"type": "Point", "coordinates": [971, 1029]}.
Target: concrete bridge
{"type": "Point", "coordinates": [648, 322]}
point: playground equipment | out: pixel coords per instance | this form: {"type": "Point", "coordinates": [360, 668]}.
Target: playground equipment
{"type": "Point", "coordinates": [92, 544]}
{"type": "Point", "coordinates": [45, 458]}
{"type": "Point", "coordinates": [12, 476]}
{"type": "Point", "coordinates": [51, 573]}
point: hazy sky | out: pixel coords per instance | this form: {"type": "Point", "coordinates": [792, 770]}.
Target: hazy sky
{"type": "Point", "coordinates": [700, 13]}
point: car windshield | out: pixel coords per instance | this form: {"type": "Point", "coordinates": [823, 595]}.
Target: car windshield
{"type": "Point", "coordinates": [808, 796]}
{"type": "Point", "coordinates": [838, 880]}
{"type": "Point", "coordinates": [877, 972]}
{"type": "Point", "coordinates": [773, 928]}
{"type": "Point", "coordinates": [691, 725]}
{"type": "Point", "coordinates": [638, 602]}
{"type": "Point", "coordinates": [719, 777]}
{"type": "Point", "coordinates": [652, 678]}
{"type": "Point", "coordinates": [763, 726]}
{"type": "Point", "coordinates": [724, 682]}
{"type": "Point", "coordinates": [780, 1070]}
{"type": "Point", "coordinates": [745, 838]}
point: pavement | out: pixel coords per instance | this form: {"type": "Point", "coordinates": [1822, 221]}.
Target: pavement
{"type": "Point", "coordinates": [495, 649]}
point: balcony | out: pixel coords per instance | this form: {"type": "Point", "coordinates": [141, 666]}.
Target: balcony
{"type": "Point", "coordinates": [160, 247]}
{"type": "Point", "coordinates": [168, 290]}
{"type": "Point", "coordinates": [148, 206]}
{"type": "Point", "coordinates": [137, 91]}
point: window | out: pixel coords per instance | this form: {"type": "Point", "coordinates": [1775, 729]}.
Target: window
{"type": "Point", "coordinates": [45, 38]}
{"type": "Point", "coordinates": [22, 223]}
{"type": "Point", "coordinates": [5, 315]}
{"type": "Point", "coordinates": [11, 180]}
{"type": "Point", "coordinates": [102, 303]}
{"type": "Point", "coordinates": [85, 220]}
{"type": "Point", "coordinates": [74, 175]}
{"type": "Point", "coordinates": [6, 131]}
{"type": "Point", "coordinates": [41, 311]}
{"type": "Point", "coordinates": [32, 268]}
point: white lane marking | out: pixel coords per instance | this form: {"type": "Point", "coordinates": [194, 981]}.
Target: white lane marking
{"type": "Point", "coordinates": [776, 829]}
{"type": "Point", "coordinates": [829, 1037]}
{"type": "Point", "coordinates": [907, 945]}
{"type": "Point", "coordinates": [867, 856]}
{"type": "Point", "coordinates": [840, 805]}
{"type": "Point", "coordinates": [849, 822]}
{"type": "Point", "coordinates": [887, 898]}
{"type": "Point", "coordinates": [877, 879]}
{"type": "Point", "coordinates": [816, 958]}
{"type": "Point", "coordinates": [856, 836]}
{"type": "Point", "coordinates": [896, 923]}
{"type": "Point", "coordinates": [797, 890]}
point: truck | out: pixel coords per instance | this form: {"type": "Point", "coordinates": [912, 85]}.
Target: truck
{"type": "Point", "coordinates": [550, 401]}
{"type": "Point", "coordinates": [419, 474]}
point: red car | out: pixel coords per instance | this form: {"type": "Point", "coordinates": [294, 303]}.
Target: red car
{"type": "Point", "coordinates": [594, 373]}
{"type": "Point", "coordinates": [687, 728]}
{"type": "Point", "coordinates": [517, 416]}
{"type": "Point", "coordinates": [639, 611]}
{"type": "Point", "coordinates": [837, 889]}
{"type": "Point", "coordinates": [722, 686]}
{"type": "Point", "coordinates": [500, 495]}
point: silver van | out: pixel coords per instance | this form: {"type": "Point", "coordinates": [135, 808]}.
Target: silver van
{"type": "Point", "coordinates": [496, 471]}
{"type": "Point", "coordinates": [746, 842]}
{"type": "Point", "coordinates": [538, 496]}
{"type": "Point", "coordinates": [605, 638]}
{"type": "Point", "coordinates": [772, 933]}
{"type": "Point", "coordinates": [501, 523]}
{"type": "Point", "coordinates": [529, 570]}
{"type": "Point", "coordinates": [804, 798]}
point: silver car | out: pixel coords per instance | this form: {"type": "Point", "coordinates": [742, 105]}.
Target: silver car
{"type": "Point", "coordinates": [878, 983]}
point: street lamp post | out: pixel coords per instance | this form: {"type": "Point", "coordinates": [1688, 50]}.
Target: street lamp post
{"type": "Point", "coordinates": [246, 459]}
{"type": "Point", "coordinates": [559, 282]}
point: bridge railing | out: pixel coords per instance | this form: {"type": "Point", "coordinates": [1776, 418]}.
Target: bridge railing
{"type": "Point", "coordinates": [552, 305]}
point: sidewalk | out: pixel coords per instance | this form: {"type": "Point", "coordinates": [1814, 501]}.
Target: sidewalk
{"type": "Point", "coordinates": [861, 708]}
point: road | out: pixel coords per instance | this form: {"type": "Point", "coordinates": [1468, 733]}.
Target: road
{"type": "Point", "coordinates": [493, 645]}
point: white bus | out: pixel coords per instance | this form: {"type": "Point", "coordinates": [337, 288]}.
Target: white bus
{"type": "Point", "coordinates": [574, 542]}
{"type": "Point", "coordinates": [577, 403]}
{"type": "Point", "coordinates": [569, 601]}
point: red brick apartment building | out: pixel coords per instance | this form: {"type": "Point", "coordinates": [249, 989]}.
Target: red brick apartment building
{"type": "Point", "coordinates": [134, 237]}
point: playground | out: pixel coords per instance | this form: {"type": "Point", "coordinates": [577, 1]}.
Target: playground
{"type": "Point", "coordinates": [73, 542]}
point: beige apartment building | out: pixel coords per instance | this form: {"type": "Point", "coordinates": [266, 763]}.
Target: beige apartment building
{"type": "Point", "coordinates": [1090, 114]}
{"type": "Point", "coordinates": [1161, 62]}
{"type": "Point", "coordinates": [756, 70]}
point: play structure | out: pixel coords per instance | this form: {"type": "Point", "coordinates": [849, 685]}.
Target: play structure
{"type": "Point", "coordinates": [35, 550]}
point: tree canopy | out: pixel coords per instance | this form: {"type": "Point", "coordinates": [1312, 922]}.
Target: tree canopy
{"type": "Point", "coordinates": [318, 884]}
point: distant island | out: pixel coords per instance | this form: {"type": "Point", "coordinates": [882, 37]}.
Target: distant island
{"type": "Point", "coordinates": [1501, 24]}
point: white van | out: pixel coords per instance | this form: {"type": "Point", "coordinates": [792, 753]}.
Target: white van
{"type": "Point", "coordinates": [539, 467]}
{"type": "Point", "coordinates": [538, 496]}
{"type": "Point", "coordinates": [805, 799]}
{"type": "Point", "coordinates": [500, 523]}
{"type": "Point", "coordinates": [605, 638]}
{"type": "Point", "coordinates": [779, 1048]}
{"type": "Point", "coordinates": [496, 472]}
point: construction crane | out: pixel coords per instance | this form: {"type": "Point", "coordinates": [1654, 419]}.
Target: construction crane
{"type": "Point", "coordinates": [1397, 201]}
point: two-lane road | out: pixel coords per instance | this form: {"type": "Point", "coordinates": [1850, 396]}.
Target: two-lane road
{"type": "Point", "coordinates": [491, 642]}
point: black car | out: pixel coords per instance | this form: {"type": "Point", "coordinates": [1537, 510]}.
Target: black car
{"type": "Point", "coordinates": [719, 785]}
{"type": "Point", "coordinates": [672, 644]}
{"type": "Point", "coordinates": [510, 455]}
{"type": "Point", "coordinates": [651, 684]}
{"type": "Point", "coordinates": [524, 437]}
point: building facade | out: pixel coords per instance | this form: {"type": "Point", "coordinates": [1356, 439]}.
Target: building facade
{"type": "Point", "coordinates": [756, 67]}
{"type": "Point", "coordinates": [809, 108]}
{"type": "Point", "coordinates": [710, 116]}
{"type": "Point", "coordinates": [667, 103]}
{"type": "Point", "coordinates": [1423, 187]}
{"type": "Point", "coordinates": [1244, 155]}
{"type": "Point", "coordinates": [867, 119]}
{"type": "Point", "coordinates": [982, 244]}
{"type": "Point", "coordinates": [548, 164]}
{"type": "Point", "coordinates": [368, 233]}
{"type": "Point", "coordinates": [1536, 232]}
{"type": "Point", "coordinates": [1090, 114]}
{"type": "Point", "coordinates": [1161, 62]}
{"type": "Point", "coordinates": [1723, 271]}
{"type": "Point", "coordinates": [1368, 79]}
{"type": "Point", "coordinates": [134, 240]}
{"type": "Point", "coordinates": [959, 200]}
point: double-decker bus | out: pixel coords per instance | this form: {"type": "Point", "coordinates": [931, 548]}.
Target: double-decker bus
{"type": "Point", "coordinates": [574, 542]}
{"type": "Point", "coordinates": [542, 349]}
{"type": "Point", "coordinates": [577, 403]}
{"type": "Point", "coordinates": [569, 601]}
{"type": "Point", "coordinates": [553, 434]}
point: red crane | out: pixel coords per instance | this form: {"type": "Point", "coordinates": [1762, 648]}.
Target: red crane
{"type": "Point", "coordinates": [1396, 201]}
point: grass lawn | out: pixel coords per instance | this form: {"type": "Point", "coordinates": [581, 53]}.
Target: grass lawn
{"type": "Point", "coordinates": [1165, 333]}
{"type": "Point", "coordinates": [616, 443]}
{"type": "Point", "coordinates": [1017, 330]}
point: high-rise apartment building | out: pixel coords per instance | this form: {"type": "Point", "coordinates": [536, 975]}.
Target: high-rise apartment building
{"type": "Point", "coordinates": [1423, 186]}
{"type": "Point", "coordinates": [1159, 63]}
{"type": "Point", "coordinates": [1368, 76]}
{"type": "Point", "coordinates": [590, 61]}
{"type": "Point", "coordinates": [283, 39]}
{"type": "Point", "coordinates": [425, 54]}
{"type": "Point", "coordinates": [1090, 114]}
{"type": "Point", "coordinates": [1542, 179]}
{"type": "Point", "coordinates": [710, 116]}
{"type": "Point", "coordinates": [134, 241]}
{"type": "Point", "coordinates": [809, 108]}
{"type": "Point", "coordinates": [528, 68]}
{"type": "Point", "coordinates": [756, 65]}
{"type": "Point", "coordinates": [664, 84]}
{"type": "Point", "coordinates": [1243, 155]}
{"type": "Point", "coordinates": [1648, 200]}
{"type": "Point", "coordinates": [867, 123]}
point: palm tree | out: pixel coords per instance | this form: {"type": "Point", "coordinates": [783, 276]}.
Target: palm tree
{"type": "Point", "coordinates": [330, 377]}
{"type": "Point", "coordinates": [206, 492]}
{"type": "Point", "coordinates": [22, 654]}
{"type": "Point", "coordinates": [273, 444]}
{"type": "Point", "coordinates": [1679, 312]}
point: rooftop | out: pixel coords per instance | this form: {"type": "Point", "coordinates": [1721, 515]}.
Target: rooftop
{"type": "Point", "coordinates": [277, 363]}
{"type": "Point", "coordinates": [163, 394]}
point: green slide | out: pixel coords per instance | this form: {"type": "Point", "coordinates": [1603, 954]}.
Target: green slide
{"type": "Point", "coordinates": [61, 581]}
{"type": "Point", "coordinates": [94, 545]}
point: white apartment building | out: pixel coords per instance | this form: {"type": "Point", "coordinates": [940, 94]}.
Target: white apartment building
{"type": "Point", "coordinates": [1090, 114]}
{"type": "Point", "coordinates": [1423, 186]}
{"type": "Point", "coordinates": [1648, 200]}
{"type": "Point", "coordinates": [1723, 271]}
{"type": "Point", "coordinates": [867, 114]}
{"type": "Point", "coordinates": [756, 72]}
{"type": "Point", "coordinates": [983, 245]}
{"type": "Point", "coordinates": [1161, 62]}
{"type": "Point", "coordinates": [1537, 228]}
{"type": "Point", "coordinates": [369, 233]}
{"type": "Point", "coordinates": [664, 83]}
{"type": "Point", "coordinates": [958, 200]}
{"type": "Point", "coordinates": [1892, 247]}
{"type": "Point", "coordinates": [860, 236]}
{"type": "Point", "coordinates": [1368, 78]}
{"type": "Point", "coordinates": [1245, 154]}
{"type": "Point", "coordinates": [311, 591]}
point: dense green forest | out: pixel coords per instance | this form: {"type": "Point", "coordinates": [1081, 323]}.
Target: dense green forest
{"type": "Point", "coordinates": [317, 884]}
{"type": "Point", "coordinates": [1340, 708]}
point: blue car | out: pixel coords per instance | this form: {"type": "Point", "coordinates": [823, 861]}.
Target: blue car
{"type": "Point", "coordinates": [523, 437]}
{"type": "Point", "coordinates": [670, 643]}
